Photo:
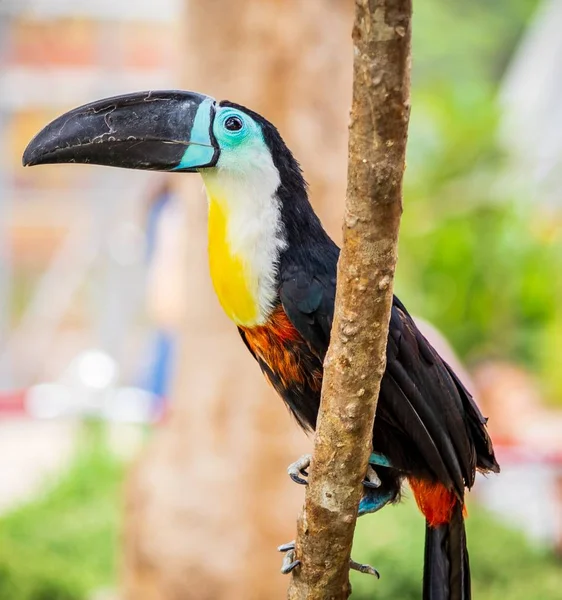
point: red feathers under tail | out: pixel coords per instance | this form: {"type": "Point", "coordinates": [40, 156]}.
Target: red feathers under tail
{"type": "Point", "coordinates": [446, 568]}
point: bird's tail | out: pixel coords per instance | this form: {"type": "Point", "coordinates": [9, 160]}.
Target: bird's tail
{"type": "Point", "coordinates": [446, 574]}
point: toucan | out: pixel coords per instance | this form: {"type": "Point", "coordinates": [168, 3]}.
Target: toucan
{"type": "Point", "coordinates": [273, 267]}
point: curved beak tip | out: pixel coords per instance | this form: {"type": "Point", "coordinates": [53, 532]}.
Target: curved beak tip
{"type": "Point", "coordinates": [29, 156]}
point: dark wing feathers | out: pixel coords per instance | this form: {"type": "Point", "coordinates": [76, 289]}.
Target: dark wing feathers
{"type": "Point", "coordinates": [485, 458]}
{"type": "Point", "coordinates": [472, 418]}
{"type": "Point", "coordinates": [422, 375]}
{"type": "Point", "coordinates": [407, 422]}
{"type": "Point", "coordinates": [308, 301]}
{"type": "Point", "coordinates": [421, 399]}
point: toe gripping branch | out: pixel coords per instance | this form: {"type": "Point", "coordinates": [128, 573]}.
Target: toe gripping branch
{"type": "Point", "coordinates": [298, 469]}
{"type": "Point", "coordinates": [290, 563]}
{"type": "Point", "coordinates": [376, 494]}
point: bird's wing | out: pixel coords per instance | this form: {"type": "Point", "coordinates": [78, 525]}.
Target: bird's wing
{"type": "Point", "coordinates": [415, 373]}
{"type": "Point", "coordinates": [421, 399]}
{"type": "Point", "coordinates": [308, 300]}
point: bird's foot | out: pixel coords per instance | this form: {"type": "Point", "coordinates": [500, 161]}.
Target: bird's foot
{"type": "Point", "coordinates": [298, 468]}
{"type": "Point", "coordinates": [290, 562]}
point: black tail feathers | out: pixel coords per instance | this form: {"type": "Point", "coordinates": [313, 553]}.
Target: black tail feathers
{"type": "Point", "coordinates": [446, 570]}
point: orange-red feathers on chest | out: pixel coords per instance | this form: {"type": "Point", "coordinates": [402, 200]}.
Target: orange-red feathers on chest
{"type": "Point", "coordinates": [280, 346]}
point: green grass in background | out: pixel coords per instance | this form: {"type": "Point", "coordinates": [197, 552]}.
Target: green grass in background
{"type": "Point", "coordinates": [504, 565]}
{"type": "Point", "coordinates": [63, 545]}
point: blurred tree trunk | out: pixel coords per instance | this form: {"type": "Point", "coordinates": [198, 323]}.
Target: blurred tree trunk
{"type": "Point", "coordinates": [210, 499]}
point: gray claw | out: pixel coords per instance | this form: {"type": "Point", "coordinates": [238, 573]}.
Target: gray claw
{"type": "Point", "coordinates": [298, 468]}
{"type": "Point", "coordinates": [289, 563]}
{"type": "Point", "coordinates": [286, 547]}
{"type": "Point", "coordinates": [364, 568]}
{"type": "Point", "coordinates": [372, 480]}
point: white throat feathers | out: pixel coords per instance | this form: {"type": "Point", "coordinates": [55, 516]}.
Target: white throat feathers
{"type": "Point", "coordinates": [245, 236]}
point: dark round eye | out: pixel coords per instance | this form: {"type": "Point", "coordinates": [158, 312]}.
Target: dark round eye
{"type": "Point", "coordinates": [234, 124]}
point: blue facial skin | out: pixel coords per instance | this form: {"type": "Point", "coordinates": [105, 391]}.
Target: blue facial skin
{"type": "Point", "coordinates": [200, 151]}
{"type": "Point", "coordinates": [241, 142]}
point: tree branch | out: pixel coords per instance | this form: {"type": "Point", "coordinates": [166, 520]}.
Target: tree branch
{"type": "Point", "coordinates": [356, 358]}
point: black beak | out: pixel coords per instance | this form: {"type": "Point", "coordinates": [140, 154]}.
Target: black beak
{"type": "Point", "coordinates": [160, 131]}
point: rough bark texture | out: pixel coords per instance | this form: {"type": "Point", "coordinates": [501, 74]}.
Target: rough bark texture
{"type": "Point", "coordinates": [356, 358]}
{"type": "Point", "coordinates": [210, 499]}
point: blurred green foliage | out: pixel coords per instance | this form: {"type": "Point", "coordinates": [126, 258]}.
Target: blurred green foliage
{"type": "Point", "coordinates": [479, 262]}
{"type": "Point", "coordinates": [63, 545]}
{"type": "Point", "coordinates": [504, 566]}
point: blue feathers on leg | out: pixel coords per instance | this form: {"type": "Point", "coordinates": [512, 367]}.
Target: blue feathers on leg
{"type": "Point", "coordinates": [375, 499]}
{"type": "Point", "coordinates": [379, 460]}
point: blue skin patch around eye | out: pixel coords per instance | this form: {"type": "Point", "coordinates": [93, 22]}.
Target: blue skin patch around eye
{"type": "Point", "coordinates": [200, 151]}
{"type": "Point", "coordinates": [232, 138]}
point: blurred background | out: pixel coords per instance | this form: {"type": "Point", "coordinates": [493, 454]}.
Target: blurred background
{"type": "Point", "coordinates": [142, 456]}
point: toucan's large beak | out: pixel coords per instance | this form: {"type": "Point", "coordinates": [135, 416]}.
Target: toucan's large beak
{"type": "Point", "coordinates": [160, 131]}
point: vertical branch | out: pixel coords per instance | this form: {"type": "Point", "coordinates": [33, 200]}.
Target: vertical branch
{"type": "Point", "coordinates": [356, 358]}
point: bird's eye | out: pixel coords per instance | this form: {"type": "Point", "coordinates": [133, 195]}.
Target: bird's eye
{"type": "Point", "coordinates": [233, 124]}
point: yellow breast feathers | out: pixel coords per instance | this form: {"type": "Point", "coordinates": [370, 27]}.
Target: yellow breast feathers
{"type": "Point", "coordinates": [235, 285]}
